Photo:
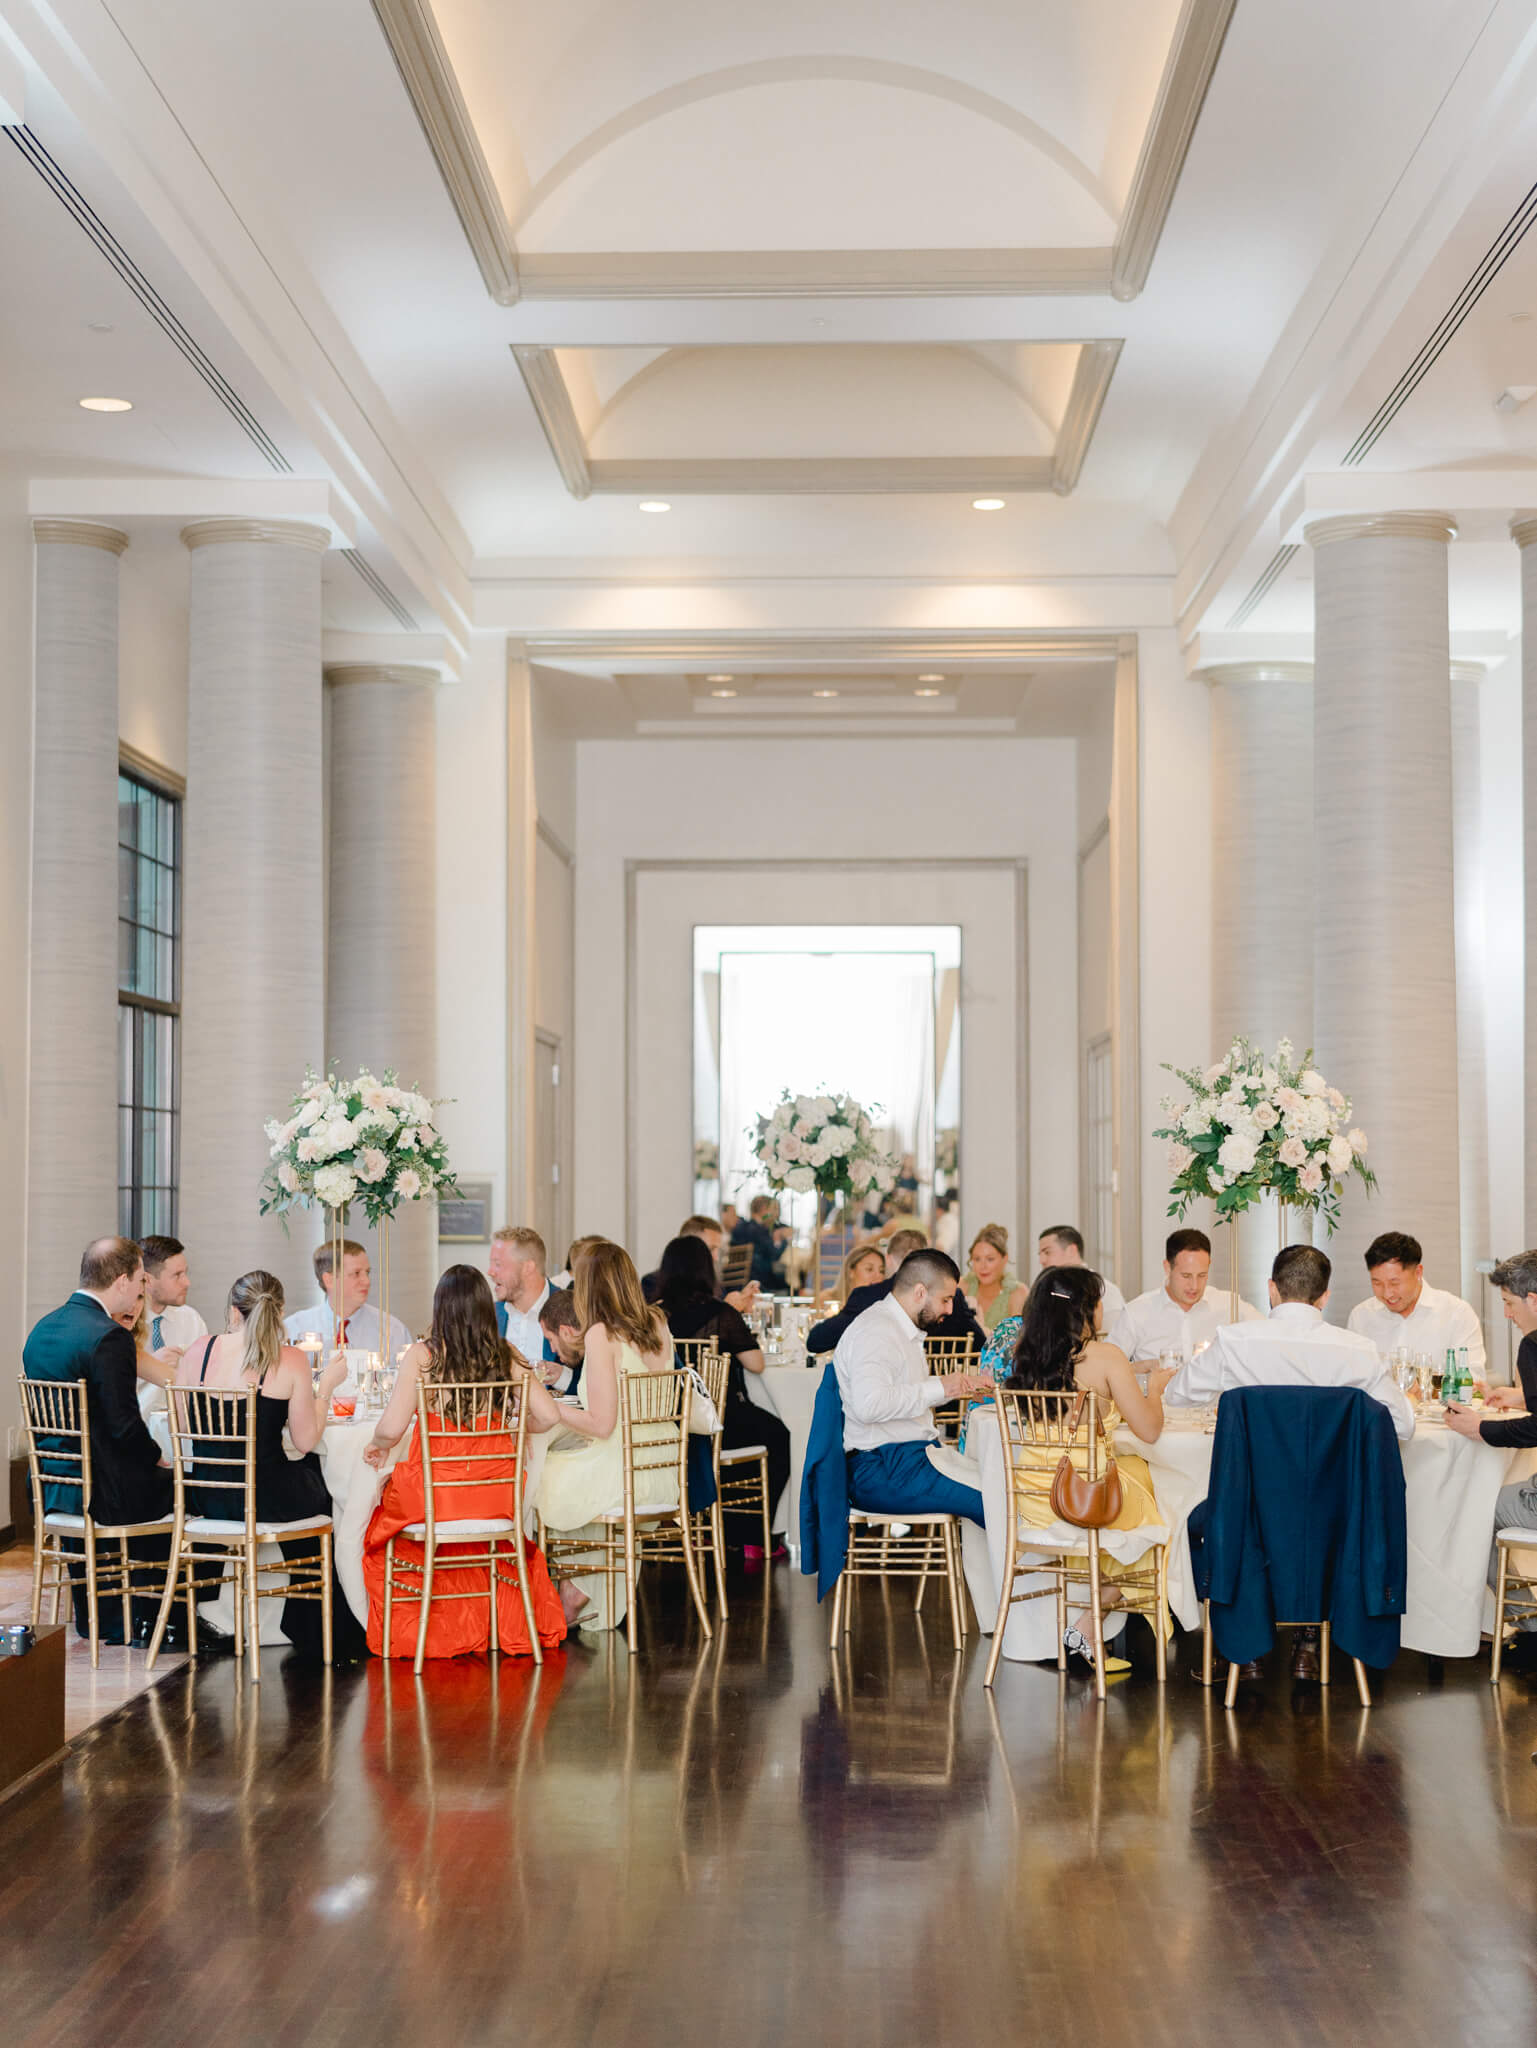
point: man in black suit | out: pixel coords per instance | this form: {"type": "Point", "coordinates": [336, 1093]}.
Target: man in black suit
{"type": "Point", "coordinates": [959, 1323]}
{"type": "Point", "coordinates": [130, 1481]}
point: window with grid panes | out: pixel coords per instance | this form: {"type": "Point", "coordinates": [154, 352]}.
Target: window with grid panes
{"type": "Point", "coordinates": [149, 1005]}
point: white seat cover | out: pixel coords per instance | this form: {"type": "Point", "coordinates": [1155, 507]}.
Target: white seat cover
{"type": "Point", "coordinates": [455, 1532]}
{"type": "Point", "coordinates": [217, 1531]}
{"type": "Point", "coordinates": [1527, 1538]}
{"type": "Point", "coordinates": [742, 1452]}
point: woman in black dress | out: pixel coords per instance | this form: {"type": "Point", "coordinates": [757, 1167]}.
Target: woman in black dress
{"type": "Point", "coordinates": [252, 1353]}
{"type": "Point", "coordinates": [686, 1294]}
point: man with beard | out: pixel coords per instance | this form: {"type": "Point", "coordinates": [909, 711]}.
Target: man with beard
{"type": "Point", "coordinates": [897, 1464]}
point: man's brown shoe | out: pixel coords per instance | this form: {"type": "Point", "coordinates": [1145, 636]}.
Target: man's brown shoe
{"type": "Point", "coordinates": [1305, 1657]}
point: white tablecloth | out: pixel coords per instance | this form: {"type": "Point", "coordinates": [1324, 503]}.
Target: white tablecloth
{"type": "Point", "coordinates": [790, 1392]}
{"type": "Point", "coordinates": [1450, 1487]}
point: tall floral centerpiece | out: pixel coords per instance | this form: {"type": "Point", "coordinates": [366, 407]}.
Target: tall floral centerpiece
{"type": "Point", "coordinates": [1257, 1125]}
{"type": "Point", "coordinates": [825, 1143]}
{"type": "Point", "coordinates": [366, 1140]}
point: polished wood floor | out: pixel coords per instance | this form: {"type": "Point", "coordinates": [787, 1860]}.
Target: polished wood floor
{"type": "Point", "coordinates": [751, 1842]}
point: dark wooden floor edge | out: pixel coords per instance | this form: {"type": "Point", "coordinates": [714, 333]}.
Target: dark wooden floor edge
{"type": "Point", "coordinates": [30, 1778]}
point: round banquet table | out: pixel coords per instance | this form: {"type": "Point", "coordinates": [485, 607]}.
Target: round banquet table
{"type": "Point", "coordinates": [790, 1392]}
{"type": "Point", "coordinates": [1450, 1485]}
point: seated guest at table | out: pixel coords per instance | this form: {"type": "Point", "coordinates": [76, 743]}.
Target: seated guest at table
{"type": "Point", "coordinates": [583, 1477]}
{"type": "Point", "coordinates": [346, 1317]}
{"type": "Point", "coordinates": [896, 1463]}
{"type": "Point", "coordinates": [990, 1285]}
{"type": "Point", "coordinates": [1402, 1310]}
{"type": "Point", "coordinates": [172, 1324]}
{"type": "Point", "coordinates": [865, 1266]}
{"type": "Point", "coordinates": [1060, 1347]}
{"type": "Point", "coordinates": [1179, 1316]}
{"type": "Point", "coordinates": [519, 1287]}
{"type": "Point", "coordinates": [1061, 1244]}
{"type": "Point", "coordinates": [947, 1224]}
{"type": "Point", "coordinates": [692, 1307]}
{"type": "Point", "coordinates": [579, 1245]}
{"type": "Point", "coordinates": [729, 1218]}
{"type": "Point", "coordinates": [251, 1353]}
{"type": "Point", "coordinates": [759, 1228]}
{"type": "Point", "coordinates": [463, 1348]}
{"type": "Point", "coordinates": [130, 1481]}
{"type": "Point", "coordinates": [706, 1228]}
{"type": "Point", "coordinates": [562, 1363]}
{"type": "Point", "coordinates": [156, 1369]}
{"type": "Point", "coordinates": [959, 1323]}
{"type": "Point", "coordinates": [1292, 1347]}
{"type": "Point", "coordinates": [1516, 1506]}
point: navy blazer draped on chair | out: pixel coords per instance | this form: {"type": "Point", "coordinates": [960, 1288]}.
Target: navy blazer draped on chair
{"type": "Point", "coordinates": [825, 1489]}
{"type": "Point", "coordinates": [1303, 1521]}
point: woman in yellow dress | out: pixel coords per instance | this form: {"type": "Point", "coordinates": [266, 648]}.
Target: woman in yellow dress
{"type": "Point", "coordinates": [1060, 1348]}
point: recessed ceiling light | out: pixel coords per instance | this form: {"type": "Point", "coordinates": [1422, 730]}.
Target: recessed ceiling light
{"type": "Point", "coordinates": [824, 693]}
{"type": "Point", "coordinates": [654, 505]}
{"type": "Point", "coordinates": [720, 679]}
{"type": "Point", "coordinates": [99, 326]}
{"type": "Point", "coordinates": [107, 404]}
{"type": "Point", "coordinates": [987, 504]}
{"type": "Point", "coordinates": [925, 693]}
{"type": "Point", "coordinates": [931, 679]}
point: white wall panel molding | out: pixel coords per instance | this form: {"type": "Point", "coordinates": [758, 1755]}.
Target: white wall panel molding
{"type": "Point", "coordinates": [79, 533]}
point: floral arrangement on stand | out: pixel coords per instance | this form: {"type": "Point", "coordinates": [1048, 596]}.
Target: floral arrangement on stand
{"type": "Point", "coordinates": [826, 1143]}
{"type": "Point", "coordinates": [1257, 1125]}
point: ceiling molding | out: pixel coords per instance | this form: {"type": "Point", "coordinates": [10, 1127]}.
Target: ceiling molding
{"type": "Point", "coordinates": [429, 80]}
{"type": "Point", "coordinates": [1193, 55]}
{"type": "Point", "coordinates": [552, 402]}
{"type": "Point", "coordinates": [1120, 270]}
{"type": "Point", "coordinates": [767, 476]}
{"type": "Point", "coordinates": [1091, 380]}
{"type": "Point", "coordinates": [817, 274]}
{"type": "Point", "coordinates": [767, 650]}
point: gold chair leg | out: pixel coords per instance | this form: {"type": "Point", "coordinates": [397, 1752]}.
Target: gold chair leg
{"type": "Point", "coordinates": [389, 1597]}
{"type": "Point", "coordinates": [1061, 1572]}
{"type": "Point", "coordinates": [768, 1512]}
{"type": "Point", "coordinates": [167, 1601]}
{"type": "Point", "coordinates": [928, 1559]}
{"type": "Point", "coordinates": [428, 1558]}
{"type": "Point", "coordinates": [520, 1558]}
{"type": "Point", "coordinates": [91, 1598]}
{"type": "Point", "coordinates": [126, 1591]}
{"type": "Point", "coordinates": [325, 1596]}
{"type": "Point", "coordinates": [1005, 1594]}
{"type": "Point", "coordinates": [718, 1546]}
{"type": "Point", "coordinates": [1097, 1615]}
{"type": "Point", "coordinates": [39, 1554]}
{"type": "Point", "coordinates": [1323, 1655]}
{"type": "Point", "coordinates": [631, 1575]}
{"type": "Point", "coordinates": [253, 1625]}
{"type": "Point", "coordinates": [1206, 1642]}
{"type": "Point", "coordinates": [951, 1537]}
{"type": "Point", "coordinates": [1497, 1652]}
{"type": "Point", "coordinates": [1362, 1687]}
{"type": "Point", "coordinates": [493, 1638]}
{"type": "Point", "coordinates": [691, 1566]}
{"type": "Point", "coordinates": [189, 1592]}
{"type": "Point", "coordinates": [834, 1630]}
{"type": "Point", "coordinates": [1161, 1613]}
{"type": "Point", "coordinates": [1231, 1694]}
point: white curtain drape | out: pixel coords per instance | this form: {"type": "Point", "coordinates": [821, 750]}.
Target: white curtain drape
{"type": "Point", "coordinates": [856, 1022]}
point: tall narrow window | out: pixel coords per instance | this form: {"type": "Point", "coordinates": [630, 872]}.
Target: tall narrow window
{"type": "Point", "coordinates": [149, 1005]}
{"type": "Point", "coordinates": [1101, 1156]}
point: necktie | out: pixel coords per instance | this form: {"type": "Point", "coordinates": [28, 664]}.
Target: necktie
{"type": "Point", "coordinates": [156, 1342]}
{"type": "Point", "coordinates": [341, 1334]}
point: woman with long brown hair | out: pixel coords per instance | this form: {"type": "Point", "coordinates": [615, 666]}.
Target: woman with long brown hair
{"type": "Point", "coordinates": [583, 1477]}
{"type": "Point", "coordinates": [464, 1349]}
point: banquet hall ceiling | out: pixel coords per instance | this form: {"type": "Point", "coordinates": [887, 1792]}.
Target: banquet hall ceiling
{"type": "Point", "coordinates": [815, 275]}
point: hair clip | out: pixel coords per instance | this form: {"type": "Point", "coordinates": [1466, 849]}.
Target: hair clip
{"type": "Point", "coordinates": [1060, 1294]}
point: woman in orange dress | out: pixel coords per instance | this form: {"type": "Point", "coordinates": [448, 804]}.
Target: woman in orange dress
{"type": "Point", "coordinates": [463, 1347]}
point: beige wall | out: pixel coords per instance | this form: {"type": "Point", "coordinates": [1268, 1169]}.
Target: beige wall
{"type": "Point", "coordinates": [15, 886]}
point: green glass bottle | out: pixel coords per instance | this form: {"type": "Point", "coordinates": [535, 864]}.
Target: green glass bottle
{"type": "Point", "coordinates": [1449, 1388]}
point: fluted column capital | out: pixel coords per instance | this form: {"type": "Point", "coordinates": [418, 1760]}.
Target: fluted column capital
{"type": "Point", "coordinates": [339, 673]}
{"type": "Point", "coordinates": [291, 533]}
{"type": "Point", "coordinates": [1255, 672]}
{"type": "Point", "coordinates": [78, 533]}
{"type": "Point", "coordinates": [1523, 529]}
{"type": "Point", "coordinates": [1439, 526]}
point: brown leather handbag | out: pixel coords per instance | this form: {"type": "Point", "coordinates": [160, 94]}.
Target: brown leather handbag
{"type": "Point", "coordinates": [1085, 1503]}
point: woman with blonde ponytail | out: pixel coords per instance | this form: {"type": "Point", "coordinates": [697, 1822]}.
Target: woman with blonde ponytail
{"type": "Point", "coordinates": [252, 1353]}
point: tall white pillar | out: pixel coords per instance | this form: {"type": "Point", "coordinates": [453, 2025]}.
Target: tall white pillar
{"type": "Point", "coordinates": [73, 1090]}
{"type": "Point", "coordinates": [253, 1002]}
{"type": "Point", "coordinates": [381, 982]}
{"type": "Point", "coordinates": [1262, 882]}
{"type": "Point", "coordinates": [1472, 992]}
{"type": "Point", "coordinates": [1385, 991]}
{"type": "Point", "coordinates": [1524, 533]}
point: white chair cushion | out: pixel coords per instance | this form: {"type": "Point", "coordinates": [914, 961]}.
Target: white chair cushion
{"type": "Point", "coordinates": [209, 1528]}
{"type": "Point", "coordinates": [455, 1532]}
{"type": "Point", "coordinates": [913, 1521]}
{"type": "Point", "coordinates": [742, 1453]}
{"type": "Point", "coordinates": [64, 1521]}
{"type": "Point", "coordinates": [1525, 1538]}
{"type": "Point", "coordinates": [73, 1522]}
{"type": "Point", "coordinates": [641, 1514]}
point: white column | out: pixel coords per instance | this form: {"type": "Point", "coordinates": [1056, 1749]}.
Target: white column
{"type": "Point", "coordinates": [381, 979]}
{"type": "Point", "coordinates": [72, 1136]}
{"type": "Point", "coordinates": [1262, 884]}
{"type": "Point", "coordinates": [1524, 533]}
{"type": "Point", "coordinates": [1472, 996]}
{"type": "Point", "coordinates": [253, 961]}
{"type": "Point", "coordinates": [1385, 993]}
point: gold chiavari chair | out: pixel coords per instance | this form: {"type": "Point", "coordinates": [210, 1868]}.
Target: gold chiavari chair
{"type": "Point", "coordinates": [463, 1430]}
{"type": "Point", "coordinates": [947, 1355]}
{"type": "Point", "coordinates": [1515, 1592]}
{"type": "Point", "coordinates": [213, 1450]}
{"type": "Point", "coordinates": [56, 1414]}
{"type": "Point", "coordinates": [653, 1423]}
{"type": "Point", "coordinates": [1037, 1430]}
{"type": "Point", "coordinates": [709, 1529]}
{"type": "Point", "coordinates": [901, 1546]}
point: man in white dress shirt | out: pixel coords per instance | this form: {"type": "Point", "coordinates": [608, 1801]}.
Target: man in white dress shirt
{"type": "Point", "coordinates": [172, 1324]}
{"type": "Point", "coordinates": [1403, 1311]}
{"type": "Point", "coordinates": [1293, 1347]}
{"type": "Point", "coordinates": [346, 1319]}
{"type": "Point", "coordinates": [516, 1268]}
{"type": "Point", "coordinates": [1178, 1316]}
{"type": "Point", "coordinates": [1062, 1245]}
{"type": "Point", "coordinates": [889, 1396]}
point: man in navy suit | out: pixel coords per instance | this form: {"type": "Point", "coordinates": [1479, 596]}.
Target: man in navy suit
{"type": "Point", "coordinates": [130, 1481]}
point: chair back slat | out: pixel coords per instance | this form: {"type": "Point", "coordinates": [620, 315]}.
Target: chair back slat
{"type": "Point", "coordinates": [948, 1354]}
{"type": "Point", "coordinates": [465, 1426]}
{"type": "Point", "coordinates": [59, 1411]}
{"type": "Point", "coordinates": [213, 1446]}
{"type": "Point", "coordinates": [1036, 1428]}
{"type": "Point", "coordinates": [648, 1400]}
